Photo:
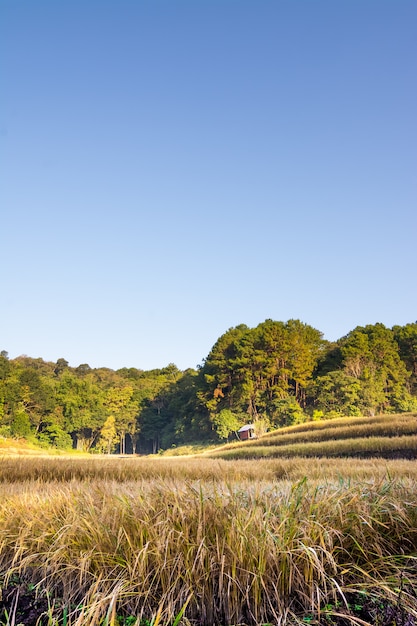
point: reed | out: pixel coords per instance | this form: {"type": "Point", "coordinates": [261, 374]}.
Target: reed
{"type": "Point", "coordinates": [207, 541]}
{"type": "Point", "coordinates": [29, 472]}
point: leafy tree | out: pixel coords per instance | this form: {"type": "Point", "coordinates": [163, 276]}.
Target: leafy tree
{"type": "Point", "coordinates": [337, 393]}
{"type": "Point", "coordinates": [5, 368]}
{"type": "Point", "coordinates": [53, 435]}
{"type": "Point", "coordinates": [120, 404]}
{"type": "Point", "coordinates": [5, 365]}
{"type": "Point", "coordinates": [61, 366]}
{"type": "Point", "coordinates": [305, 348]}
{"type": "Point", "coordinates": [108, 434]}
{"type": "Point", "coordinates": [251, 370]}
{"type": "Point", "coordinates": [226, 422]}
{"type": "Point", "coordinates": [83, 409]}
{"type": "Point", "coordinates": [185, 418]}
{"type": "Point", "coordinates": [153, 422]}
{"type": "Point", "coordinates": [20, 425]}
{"type": "Point", "coordinates": [272, 346]}
{"type": "Point", "coordinates": [221, 389]}
{"type": "Point", "coordinates": [287, 412]}
{"type": "Point", "coordinates": [155, 418]}
{"type": "Point", "coordinates": [371, 355]}
{"type": "Point", "coordinates": [83, 369]}
{"type": "Point", "coordinates": [406, 338]}
{"type": "Point", "coordinates": [330, 359]}
{"type": "Point", "coordinates": [35, 394]}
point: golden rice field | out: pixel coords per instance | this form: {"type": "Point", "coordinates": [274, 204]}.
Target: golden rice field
{"type": "Point", "coordinates": [148, 541]}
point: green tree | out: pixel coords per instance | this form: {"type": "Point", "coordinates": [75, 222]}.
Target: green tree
{"type": "Point", "coordinates": [251, 370]}
{"type": "Point", "coordinates": [406, 338]}
{"type": "Point", "coordinates": [185, 418]}
{"type": "Point", "coordinates": [272, 346]}
{"type": "Point", "coordinates": [20, 424]}
{"type": "Point", "coordinates": [222, 387]}
{"type": "Point", "coordinates": [154, 415]}
{"type": "Point", "coordinates": [53, 435]}
{"type": "Point", "coordinates": [337, 393]}
{"type": "Point", "coordinates": [82, 403]}
{"type": "Point", "coordinates": [37, 397]}
{"type": "Point", "coordinates": [226, 422]}
{"type": "Point", "coordinates": [370, 354]}
{"type": "Point", "coordinates": [305, 348]}
{"type": "Point", "coordinates": [61, 366]}
{"type": "Point", "coordinates": [286, 412]}
{"type": "Point", "coordinates": [83, 369]}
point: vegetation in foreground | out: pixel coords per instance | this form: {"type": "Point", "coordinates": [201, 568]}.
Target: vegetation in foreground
{"type": "Point", "coordinates": [205, 541]}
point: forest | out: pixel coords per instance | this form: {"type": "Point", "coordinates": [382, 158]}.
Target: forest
{"type": "Point", "coordinates": [274, 375]}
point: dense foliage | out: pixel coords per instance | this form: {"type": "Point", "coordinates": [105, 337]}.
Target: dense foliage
{"type": "Point", "coordinates": [274, 375]}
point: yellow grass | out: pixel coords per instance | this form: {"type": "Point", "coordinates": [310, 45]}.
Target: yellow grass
{"type": "Point", "coordinates": [384, 435]}
{"type": "Point", "coordinates": [235, 542]}
{"type": "Point", "coordinates": [346, 428]}
{"type": "Point", "coordinates": [39, 471]}
{"type": "Point", "coordinates": [405, 446]}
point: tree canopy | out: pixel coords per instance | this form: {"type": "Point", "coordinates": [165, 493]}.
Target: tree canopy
{"type": "Point", "coordinates": [273, 375]}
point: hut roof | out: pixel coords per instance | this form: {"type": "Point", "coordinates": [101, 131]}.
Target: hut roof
{"type": "Point", "coordinates": [246, 427]}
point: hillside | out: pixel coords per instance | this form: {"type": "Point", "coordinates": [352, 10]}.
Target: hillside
{"type": "Point", "coordinates": [387, 436]}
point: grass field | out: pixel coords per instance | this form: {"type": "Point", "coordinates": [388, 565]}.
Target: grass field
{"type": "Point", "coordinates": [203, 541]}
{"type": "Point", "coordinates": [389, 436]}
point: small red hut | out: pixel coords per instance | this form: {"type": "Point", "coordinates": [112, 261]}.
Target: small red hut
{"type": "Point", "coordinates": [247, 432]}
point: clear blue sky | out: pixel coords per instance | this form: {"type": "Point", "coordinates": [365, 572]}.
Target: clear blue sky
{"type": "Point", "coordinates": [172, 168]}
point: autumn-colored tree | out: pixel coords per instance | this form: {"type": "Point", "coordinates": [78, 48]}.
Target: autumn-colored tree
{"type": "Point", "coordinates": [108, 434]}
{"type": "Point", "coordinates": [121, 405]}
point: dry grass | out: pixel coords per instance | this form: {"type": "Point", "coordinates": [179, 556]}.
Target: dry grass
{"type": "Point", "coordinates": [385, 435]}
{"type": "Point", "coordinates": [33, 472]}
{"type": "Point", "coordinates": [236, 543]}
{"type": "Point", "coordinates": [345, 428]}
{"type": "Point", "coordinates": [391, 447]}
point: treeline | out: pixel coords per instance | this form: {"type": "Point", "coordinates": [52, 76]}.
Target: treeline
{"type": "Point", "coordinates": [274, 375]}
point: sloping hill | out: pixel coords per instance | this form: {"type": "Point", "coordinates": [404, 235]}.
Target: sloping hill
{"type": "Point", "coordinates": [388, 436]}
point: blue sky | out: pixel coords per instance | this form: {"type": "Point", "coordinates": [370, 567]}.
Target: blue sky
{"type": "Point", "coordinates": [172, 168]}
